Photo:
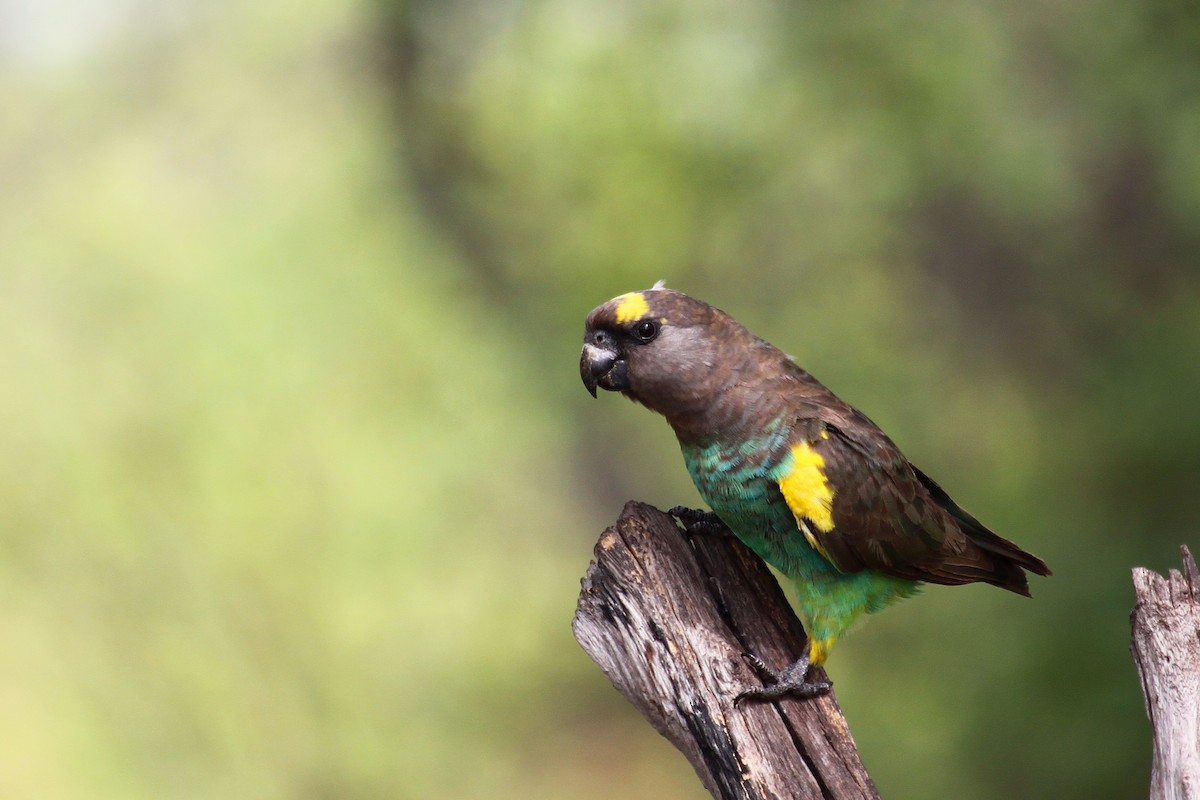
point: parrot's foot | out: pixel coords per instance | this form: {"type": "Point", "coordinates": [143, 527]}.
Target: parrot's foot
{"type": "Point", "coordinates": [792, 681]}
{"type": "Point", "coordinates": [698, 521]}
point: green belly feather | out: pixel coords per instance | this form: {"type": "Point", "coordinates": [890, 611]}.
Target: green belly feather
{"type": "Point", "coordinates": [740, 483]}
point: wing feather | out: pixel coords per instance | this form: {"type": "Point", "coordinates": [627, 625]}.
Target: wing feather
{"type": "Point", "coordinates": [862, 505]}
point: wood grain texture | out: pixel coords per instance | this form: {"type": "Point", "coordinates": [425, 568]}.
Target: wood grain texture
{"type": "Point", "coordinates": [667, 616]}
{"type": "Point", "coordinates": [1166, 650]}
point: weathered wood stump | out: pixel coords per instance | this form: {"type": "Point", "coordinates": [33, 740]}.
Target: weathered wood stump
{"type": "Point", "coordinates": [668, 616]}
{"type": "Point", "coordinates": [1166, 649]}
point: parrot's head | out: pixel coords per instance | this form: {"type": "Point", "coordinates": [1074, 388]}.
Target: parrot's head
{"type": "Point", "coordinates": [661, 348]}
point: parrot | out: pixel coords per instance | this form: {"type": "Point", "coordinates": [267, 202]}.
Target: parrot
{"type": "Point", "coordinates": [805, 480]}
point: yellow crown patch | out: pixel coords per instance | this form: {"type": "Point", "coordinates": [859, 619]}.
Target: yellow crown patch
{"type": "Point", "coordinates": [631, 306]}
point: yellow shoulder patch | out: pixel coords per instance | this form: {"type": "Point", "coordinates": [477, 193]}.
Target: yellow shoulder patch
{"type": "Point", "coordinates": [807, 491]}
{"type": "Point", "coordinates": [631, 306]}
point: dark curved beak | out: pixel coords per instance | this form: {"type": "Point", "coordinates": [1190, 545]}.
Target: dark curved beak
{"type": "Point", "coordinates": [600, 365]}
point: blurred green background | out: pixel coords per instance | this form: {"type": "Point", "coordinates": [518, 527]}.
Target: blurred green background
{"type": "Point", "coordinates": [297, 476]}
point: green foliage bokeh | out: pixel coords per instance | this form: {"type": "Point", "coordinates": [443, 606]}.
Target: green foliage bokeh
{"type": "Point", "coordinates": [298, 479]}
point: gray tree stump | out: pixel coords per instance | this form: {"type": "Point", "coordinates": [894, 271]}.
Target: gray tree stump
{"type": "Point", "coordinates": [1166, 649]}
{"type": "Point", "coordinates": [668, 616]}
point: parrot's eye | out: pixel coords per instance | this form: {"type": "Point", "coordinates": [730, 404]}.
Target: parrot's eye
{"type": "Point", "coordinates": [646, 330]}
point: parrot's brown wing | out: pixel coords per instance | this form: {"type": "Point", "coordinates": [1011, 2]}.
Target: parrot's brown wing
{"type": "Point", "coordinates": [886, 515]}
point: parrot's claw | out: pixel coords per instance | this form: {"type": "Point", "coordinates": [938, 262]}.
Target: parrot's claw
{"type": "Point", "coordinates": [698, 521]}
{"type": "Point", "coordinates": [791, 682]}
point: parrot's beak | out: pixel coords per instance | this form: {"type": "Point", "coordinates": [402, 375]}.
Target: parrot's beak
{"type": "Point", "coordinates": [600, 365]}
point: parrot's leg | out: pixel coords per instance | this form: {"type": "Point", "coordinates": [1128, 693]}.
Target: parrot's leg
{"type": "Point", "coordinates": [696, 520]}
{"type": "Point", "coordinates": [792, 681]}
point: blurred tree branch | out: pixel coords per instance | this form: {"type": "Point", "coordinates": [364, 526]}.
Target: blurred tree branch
{"type": "Point", "coordinates": [1166, 650]}
{"type": "Point", "coordinates": [667, 617]}
{"type": "Point", "coordinates": [431, 149]}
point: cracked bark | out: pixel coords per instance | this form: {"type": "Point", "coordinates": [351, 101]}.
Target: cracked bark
{"type": "Point", "coordinates": [667, 617]}
{"type": "Point", "coordinates": [1166, 650]}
